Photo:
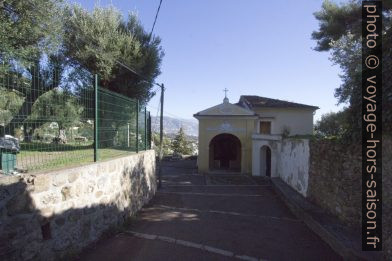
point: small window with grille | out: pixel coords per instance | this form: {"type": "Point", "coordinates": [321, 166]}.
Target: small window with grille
{"type": "Point", "coordinates": [265, 127]}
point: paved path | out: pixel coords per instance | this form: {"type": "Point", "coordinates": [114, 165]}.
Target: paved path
{"type": "Point", "coordinates": [195, 217]}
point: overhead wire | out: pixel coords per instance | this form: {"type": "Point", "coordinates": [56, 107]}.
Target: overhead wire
{"type": "Point", "coordinates": [121, 63]}
{"type": "Point", "coordinates": [156, 17]}
{"type": "Point", "coordinates": [84, 39]}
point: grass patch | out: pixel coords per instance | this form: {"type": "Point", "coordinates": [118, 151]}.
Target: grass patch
{"type": "Point", "coordinates": [37, 156]}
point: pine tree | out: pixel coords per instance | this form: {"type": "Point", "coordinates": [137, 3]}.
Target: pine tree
{"type": "Point", "coordinates": [340, 33]}
{"type": "Point", "coordinates": [180, 144]}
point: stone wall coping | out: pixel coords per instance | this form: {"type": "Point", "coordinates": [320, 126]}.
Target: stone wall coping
{"type": "Point", "coordinates": [9, 179]}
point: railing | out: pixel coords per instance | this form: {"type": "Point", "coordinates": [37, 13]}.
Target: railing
{"type": "Point", "coordinates": [50, 120]}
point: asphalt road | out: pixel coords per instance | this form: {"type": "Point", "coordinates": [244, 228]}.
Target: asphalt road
{"type": "Point", "coordinates": [214, 217]}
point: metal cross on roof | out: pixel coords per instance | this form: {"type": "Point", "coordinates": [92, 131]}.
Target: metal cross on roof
{"type": "Point", "coordinates": [225, 90]}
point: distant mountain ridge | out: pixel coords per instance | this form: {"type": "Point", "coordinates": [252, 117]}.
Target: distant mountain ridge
{"type": "Point", "coordinates": [173, 125]}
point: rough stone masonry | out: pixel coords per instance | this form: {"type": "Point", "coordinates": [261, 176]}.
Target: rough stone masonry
{"type": "Point", "coordinates": [335, 183]}
{"type": "Point", "coordinates": [51, 215]}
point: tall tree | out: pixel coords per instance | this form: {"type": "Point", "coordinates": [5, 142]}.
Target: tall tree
{"type": "Point", "coordinates": [180, 143]}
{"type": "Point", "coordinates": [57, 106]}
{"type": "Point", "coordinates": [100, 40]}
{"type": "Point", "coordinates": [29, 28]}
{"type": "Point", "coordinates": [10, 101]}
{"type": "Point", "coordinates": [40, 79]}
{"type": "Point", "coordinates": [340, 33]}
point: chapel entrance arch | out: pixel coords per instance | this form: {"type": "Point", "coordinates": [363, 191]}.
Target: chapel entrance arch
{"type": "Point", "coordinates": [225, 153]}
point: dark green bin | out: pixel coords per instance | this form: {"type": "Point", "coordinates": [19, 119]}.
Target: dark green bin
{"type": "Point", "coordinates": [7, 161]}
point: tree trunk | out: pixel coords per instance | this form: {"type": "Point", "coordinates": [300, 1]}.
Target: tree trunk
{"type": "Point", "coordinates": [28, 134]}
{"type": "Point", "coordinates": [62, 136]}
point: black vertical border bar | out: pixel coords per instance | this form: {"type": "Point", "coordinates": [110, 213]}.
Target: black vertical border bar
{"type": "Point", "coordinates": [371, 126]}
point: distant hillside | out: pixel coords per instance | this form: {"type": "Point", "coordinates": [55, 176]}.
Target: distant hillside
{"type": "Point", "coordinates": [172, 125]}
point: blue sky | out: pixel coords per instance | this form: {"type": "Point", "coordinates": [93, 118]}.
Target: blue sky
{"type": "Point", "coordinates": [250, 47]}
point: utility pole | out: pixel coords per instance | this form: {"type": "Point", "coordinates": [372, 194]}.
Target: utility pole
{"type": "Point", "coordinates": [161, 138]}
{"type": "Point", "coordinates": [137, 126]}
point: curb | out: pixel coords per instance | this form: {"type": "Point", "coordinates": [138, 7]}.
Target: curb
{"type": "Point", "coordinates": [306, 211]}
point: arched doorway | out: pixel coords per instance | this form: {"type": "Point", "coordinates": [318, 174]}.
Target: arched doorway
{"type": "Point", "coordinates": [265, 161]}
{"type": "Point", "coordinates": [225, 153]}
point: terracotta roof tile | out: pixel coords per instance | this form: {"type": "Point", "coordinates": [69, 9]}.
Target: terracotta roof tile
{"type": "Point", "coordinates": [253, 101]}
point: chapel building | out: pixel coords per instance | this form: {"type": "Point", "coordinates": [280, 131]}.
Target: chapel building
{"type": "Point", "coordinates": [245, 137]}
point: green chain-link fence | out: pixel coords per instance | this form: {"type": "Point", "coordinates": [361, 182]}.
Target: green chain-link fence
{"type": "Point", "coordinates": [51, 119]}
{"type": "Point", "coordinates": [120, 121]}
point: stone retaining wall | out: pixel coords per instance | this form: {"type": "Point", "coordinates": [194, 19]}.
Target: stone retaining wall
{"type": "Point", "coordinates": [335, 183]}
{"type": "Point", "coordinates": [335, 179]}
{"type": "Point", "coordinates": [329, 174]}
{"type": "Point", "coordinates": [51, 215]}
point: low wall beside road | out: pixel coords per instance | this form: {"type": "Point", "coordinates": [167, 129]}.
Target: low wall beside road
{"type": "Point", "coordinates": [51, 215]}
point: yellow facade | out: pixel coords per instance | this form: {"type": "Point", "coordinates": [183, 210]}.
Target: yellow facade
{"type": "Point", "coordinates": [225, 118]}
{"type": "Point", "coordinates": [231, 139]}
{"type": "Point", "coordinates": [210, 128]}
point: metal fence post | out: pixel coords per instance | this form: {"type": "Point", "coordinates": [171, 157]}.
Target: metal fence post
{"type": "Point", "coordinates": [145, 128]}
{"type": "Point", "coordinates": [128, 135]}
{"type": "Point", "coordinates": [137, 126]}
{"type": "Point", "coordinates": [96, 118]}
{"type": "Point", "coordinates": [149, 130]}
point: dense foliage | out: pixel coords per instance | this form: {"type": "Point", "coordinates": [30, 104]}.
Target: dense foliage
{"type": "Point", "coordinates": [29, 28]}
{"type": "Point", "coordinates": [56, 106]}
{"type": "Point", "coordinates": [49, 52]}
{"type": "Point", "coordinates": [333, 124]}
{"type": "Point", "coordinates": [10, 102]}
{"type": "Point", "coordinates": [101, 41]}
{"type": "Point", "coordinates": [166, 144]}
{"type": "Point", "coordinates": [340, 33]}
{"type": "Point", "coordinates": [180, 144]}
